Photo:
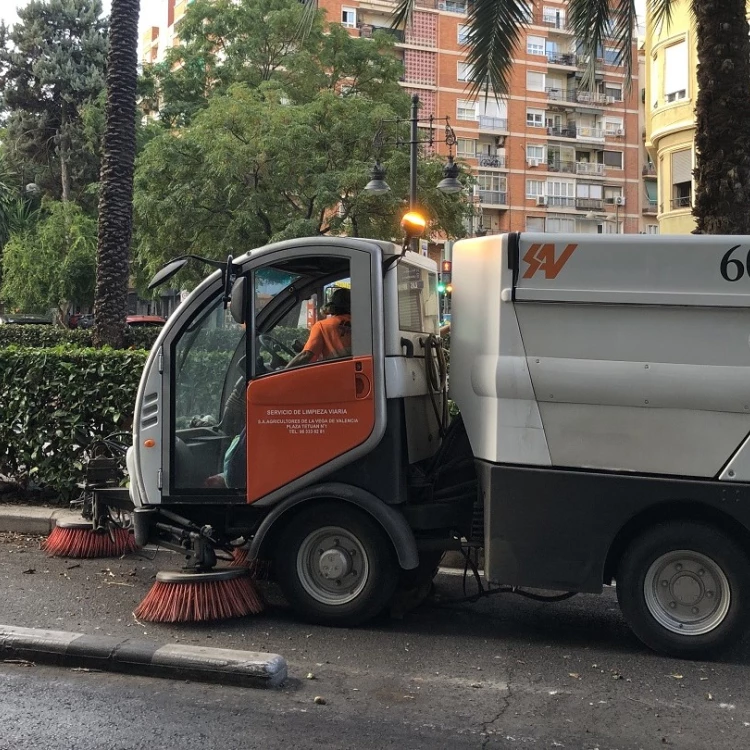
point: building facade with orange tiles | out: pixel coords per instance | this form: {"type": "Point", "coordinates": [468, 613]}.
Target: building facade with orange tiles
{"type": "Point", "coordinates": [553, 155]}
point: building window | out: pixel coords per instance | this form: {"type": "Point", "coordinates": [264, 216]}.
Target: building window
{"type": "Point", "coordinates": [652, 229]}
{"type": "Point", "coordinates": [535, 152]}
{"type": "Point", "coordinates": [466, 147]}
{"type": "Point", "coordinates": [534, 188]}
{"type": "Point", "coordinates": [612, 193]}
{"type": "Point", "coordinates": [492, 181]}
{"type": "Point", "coordinates": [613, 159]}
{"type": "Point", "coordinates": [465, 71]}
{"type": "Point", "coordinates": [585, 190]}
{"type": "Point", "coordinates": [682, 179]}
{"type": "Point", "coordinates": [613, 92]}
{"type": "Point", "coordinates": [466, 110]}
{"type": "Point", "coordinates": [559, 224]}
{"type": "Point", "coordinates": [676, 72]}
{"type": "Point", "coordinates": [613, 126]}
{"type": "Point", "coordinates": [612, 56]}
{"type": "Point", "coordinates": [528, 12]}
{"type": "Point", "coordinates": [534, 80]}
{"type": "Point", "coordinates": [535, 118]}
{"type": "Point", "coordinates": [535, 45]}
{"type": "Point", "coordinates": [349, 18]}
{"type": "Point", "coordinates": [463, 34]}
{"type": "Point", "coordinates": [554, 17]}
{"type": "Point", "coordinates": [534, 223]}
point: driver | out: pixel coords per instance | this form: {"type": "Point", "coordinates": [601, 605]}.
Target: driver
{"type": "Point", "coordinates": [331, 337]}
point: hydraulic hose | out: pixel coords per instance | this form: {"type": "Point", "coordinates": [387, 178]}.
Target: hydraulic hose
{"type": "Point", "coordinates": [436, 370]}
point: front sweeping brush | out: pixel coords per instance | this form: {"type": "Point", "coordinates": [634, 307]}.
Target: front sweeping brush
{"type": "Point", "coordinates": [79, 540]}
{"type": "Point", "coordinates": [200, 597]}
{"type": "Point", "coordinates": [260, 570]}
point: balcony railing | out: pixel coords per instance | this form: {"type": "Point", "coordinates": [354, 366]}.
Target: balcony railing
{"type": "Point", "coordinates": [561, 58]}
{"type": "Point", "coordinates": [589, 133]}
{"type": "Point", "coordinates": [493, 123]}
{"type": "Point", "coordinates": [589, 204]}
{"type": "Point", "coordinates": [491, 160]}
{"type": "Point", "coordinates": [560, 201]}
{"type": "Point", "coordinates": [561, 132]}
{"type": "Point", "coordinates": [589, 168]}
{"type": "Point", "coordinates": [684, 201]}
{"type": "Point", "coordinates": [650, 207]}
{"type": "Point", "coordinates": [453, 6]}
{"type": "Point", "coordinates": [367, 30]}
{"type": "Point", "coordinates": [577, 96]}
{"type": "Point", "coordinates": [649, 170]}
{"type": "Point", "coordinates": [560, 165]}
{"type": "Point", "coordinates": [493, 197]}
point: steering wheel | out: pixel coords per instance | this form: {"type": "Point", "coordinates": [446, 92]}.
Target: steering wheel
{"type": "Point", "coordinates": [275, 348]}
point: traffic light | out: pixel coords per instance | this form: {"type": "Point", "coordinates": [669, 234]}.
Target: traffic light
{"type": "Point", "coordinates": [444, 284]}
{"type": "Point", "coordinates": [441, 287]}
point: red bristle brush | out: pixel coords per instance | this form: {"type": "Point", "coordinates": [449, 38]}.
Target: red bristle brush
{"type": "Point", "coordinates": [260, 570]}
{"type": "Point", "coordinates": [200, 597]}
{"type": "Point", "coordinates": [80, 540]}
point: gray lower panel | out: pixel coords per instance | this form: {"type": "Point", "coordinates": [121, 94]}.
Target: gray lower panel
{"type": "Point", "coordinates": [553, 528]}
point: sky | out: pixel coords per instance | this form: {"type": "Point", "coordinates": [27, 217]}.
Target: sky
{"type": "Point", "coordinates": [148, 17]}
{"type": "Point", "coordinates": [150, 8]}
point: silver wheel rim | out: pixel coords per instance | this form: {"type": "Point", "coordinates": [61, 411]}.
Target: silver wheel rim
{"type": "Point", "coordinates": [687, 593]}
{"type": "Point", "coordinates": [332, 565]}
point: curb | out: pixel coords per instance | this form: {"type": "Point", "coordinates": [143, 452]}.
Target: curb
{"type": "Point", "coordinates": [225, 666]}
{"type": "Point", "coordinates": [29, 519]}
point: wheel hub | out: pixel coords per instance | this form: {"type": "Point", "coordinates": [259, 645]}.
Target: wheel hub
{"type": "Point", "coordinates": [687, 592]}
{"type": "Point", "coordinates": [334, 563]}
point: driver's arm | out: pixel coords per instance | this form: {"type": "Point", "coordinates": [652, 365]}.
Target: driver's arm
{"type": "Point", "coordinates": [313, 348]}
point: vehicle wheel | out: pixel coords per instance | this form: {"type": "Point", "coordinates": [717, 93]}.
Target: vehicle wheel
{"type": "Point", "coordinates": [683, 589]}
{"type": "Point", "coordinates": [335, 565]}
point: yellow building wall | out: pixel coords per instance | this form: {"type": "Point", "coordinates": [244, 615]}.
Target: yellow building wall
{"type": "Point", "coordinates": [670, 126]}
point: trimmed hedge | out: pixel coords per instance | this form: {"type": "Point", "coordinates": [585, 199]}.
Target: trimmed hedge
{"type": "Point", "coordinates": [54, 403]}
{"type": "Point", "coordinates": [40, 336]}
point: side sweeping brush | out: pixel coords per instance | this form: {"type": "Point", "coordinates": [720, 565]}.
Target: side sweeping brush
{"type": "Point", "coordinates": [200, 597]}
{"type": "Point", "coordinates": [80, 540]}
{"type": "Point", "coordinates": [260, 570]}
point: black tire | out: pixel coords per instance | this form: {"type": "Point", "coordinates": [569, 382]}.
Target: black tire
{"type": "Point", "coordinates": [370, 582]}
{"type": "Point", "coordinates": [683, 588]}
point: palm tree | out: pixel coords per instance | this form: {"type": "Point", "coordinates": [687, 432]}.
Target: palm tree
{"type": "Point", "coordinates": [116, 186]}
{"type": "Point", "coordinates": [722, 172]}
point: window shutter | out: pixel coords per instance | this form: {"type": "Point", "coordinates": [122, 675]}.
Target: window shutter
{"type": "Point", "coordinates": [682, 166]}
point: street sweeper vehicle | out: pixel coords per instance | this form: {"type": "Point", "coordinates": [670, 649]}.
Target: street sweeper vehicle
{"type": "Point", "coordinates": [604, 393]}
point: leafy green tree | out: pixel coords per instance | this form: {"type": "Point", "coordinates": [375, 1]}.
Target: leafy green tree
{"type": "Point", "coordinates": [51, 63]}
{"type": "Point", "coordinates": [116, 188]}
{"type": "Point", "coordinates": [722, 171]}
{"type": "Point", "coordinates": [253, 169]}
{"type": "Point", "coordinates": [51, 264]}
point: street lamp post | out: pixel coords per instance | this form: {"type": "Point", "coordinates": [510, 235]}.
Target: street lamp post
{"type": "Point", "coordinates": [449, 184]}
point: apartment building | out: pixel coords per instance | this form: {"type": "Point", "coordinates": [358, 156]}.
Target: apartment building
{"type": "Point", "coordinates": [553, 155]}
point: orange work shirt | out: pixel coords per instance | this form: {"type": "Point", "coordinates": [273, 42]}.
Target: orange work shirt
{"type": "Point", "coordinates": [331, 338]}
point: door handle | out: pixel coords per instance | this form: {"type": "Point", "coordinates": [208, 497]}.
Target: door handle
{"type": "Point", "coordinates": [362, 386]}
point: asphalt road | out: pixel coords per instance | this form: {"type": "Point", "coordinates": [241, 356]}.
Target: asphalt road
{"type": "Point", "coordinates": [504, 672]}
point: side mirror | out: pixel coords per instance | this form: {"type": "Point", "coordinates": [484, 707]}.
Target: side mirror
{"type": "Point", "coordinates": [168, 271]}
{"type": "Point", "coordinates": [238, 302]}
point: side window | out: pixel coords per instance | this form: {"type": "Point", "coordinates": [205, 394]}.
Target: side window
{"type": "Point", "coordinates": [305, 321]}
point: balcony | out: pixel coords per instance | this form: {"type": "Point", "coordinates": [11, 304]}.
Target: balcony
{"type": "Point", "coordinates": [650, 207]}
{"type": "Point", "coordinates": [491, 160]}
{"type": "Point", "coordinates": [589, 204]}
{"type": "Point", "coordinates": [559, 201]}
{"type": "Point", "coordinates": [494, 124]}
{"type": "Point", "coordinates": [552, 21]}
{"type": "Point", "coordinates": [367, 30]}
{"type": "Point", "coordinates": [590, 169]}
{"type": "Point", "coordinates": [587, 133]}
{"type": "Point", "coordinates": [594, 98]}
{"type": "Point", "coordinates": [561, 132]}
{"type": "Point", "coordinates": [453, 6]}
{"type": "Point", "coordinates": [684, 201]}
{"type": "Point", "coordinates": [493, 197]}
{"type": "Point", "coordinates": [559, 165]}
{"type": "Point", "coordinates": [649, 170]}
{"type": "Point", "coordinates": [561, 58]}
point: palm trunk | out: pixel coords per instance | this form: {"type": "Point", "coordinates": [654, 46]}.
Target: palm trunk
{"type": "Point", "coordinates": [63, 146]}
{"type": "Point", "coordinates": [116, 188]}
{"type": "Point", "coordinates": [722, 142]}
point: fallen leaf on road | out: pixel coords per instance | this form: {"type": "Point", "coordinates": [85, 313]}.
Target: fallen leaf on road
{"type": "Point", "coordinates": [319, 700]}
{"type": "Point", "coordinates": [575, 675]}
{"type": "Point", "coordinates": [310, 676]}
{"type": "Point", "coordinates": [676, 676]}
{"type": "Point", "coordinates": [30, 570]}
{"type": "Point", "coordinates": [70, 567]}
{"type": "Point", "coordinates": [709, 696]}
{"type": "Point", "coordinates": [20, 662]}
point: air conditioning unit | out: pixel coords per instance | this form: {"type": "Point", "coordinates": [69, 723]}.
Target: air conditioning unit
{"type": "Point", "coordinates": [541, 200]}
{"type": "Point", "coordinates": [534, 162]}
{"type": "Point", "coordinates": [620, 132]}
{"type": "Point", "coordinates": [610, 99]}
{"type": "Point", "coordinates": [620, 200]}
